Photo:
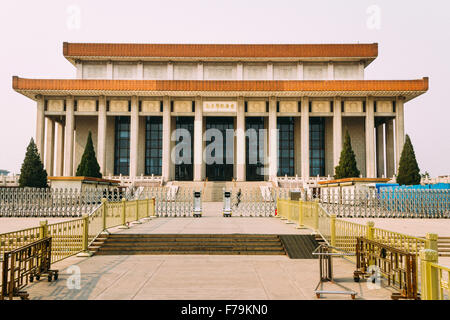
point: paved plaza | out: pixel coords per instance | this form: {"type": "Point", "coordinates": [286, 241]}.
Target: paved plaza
{"type": "Point", "coordinates": [184, 277]}
{"type": "Point", "coordinates": [209, 276]}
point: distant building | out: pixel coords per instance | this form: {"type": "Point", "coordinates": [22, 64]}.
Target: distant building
{"type": "Point", "coordinates": [133, 96]}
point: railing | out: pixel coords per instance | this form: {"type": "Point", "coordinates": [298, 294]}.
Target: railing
{"type": "Point", "coordinates": [399, 267]}
{"type": "Point", "coordinates": [75, 236]}
{"type": "Point", "coordinates": [343, 235]}
{"type": "Point", "coordinates": [9, 180]}
{"type": "Point", "coordinates": [24, 264]}
{"type": "Point", "coordinates": [435, 280]}
{"type": "Point", "coordinates": [387, 203]}
{"type": "Point", "coordinates": [44, 202]}
{"type": "Point", "coordinates": [129, 181]}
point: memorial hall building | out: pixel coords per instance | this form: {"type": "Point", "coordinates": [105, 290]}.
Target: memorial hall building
{"type": "Point", "coordinates": [131, 97]}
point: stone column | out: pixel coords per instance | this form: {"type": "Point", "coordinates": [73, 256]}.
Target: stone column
{"type": "Point", "coordinates": [399, 129]}
{"type": "Point", "coordinates": [198, 140]}
{"type": "Point", "coordinates": [109, 70]}
{"type": "Point", "coordinates": [370, 144]}
{"type": "Point", "coordinates": [273, 139]}
{"type": "Point", "coordinates": [69, 138]}
{"type": "Point", "coordinates": [200, 71]}
{"type": "Point", "coordinates": [101, 136]}
{"type": "Point", "coordinates": [169, 71]}
{"type": "Point", "coordinates": [166, 161]}
{"type": "Point", "coordinates": [330, 71]}
{"type": "Point", "coordinates": [134, 136]}
{"type": "Point", "coordinates": [140, 71]}
{"type": "Point", "coordinates": [50, 147]}
{"type": "Point", "coordinates": [305, 138]}
{"type": "Point", "coordinates": [270, 71]}
{"type": "Point", "coordinates": [380, 150]}
{"type": "Point", "coordinates": [79, 66]}
{"type": "Point", "coordinates": [300, 71]}
{"type": "Point", "coordinates": [390, 152]}
{"type": "Point", "coordinates": [337, 131]}
{"type": "Point", "coordinates": [59, 167]}
{"type": "Point", "coordinates": [240, 140]}
{"type": "Point", "coordinates": [240, 71]}
{"type": "Point", "coordinates": [40, 126]}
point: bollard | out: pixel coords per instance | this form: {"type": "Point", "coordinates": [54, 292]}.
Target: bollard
{"type": "Point", "coordinates": [430, 276]}
{"type": "Point", "coordinates": [85, 243]}
{"type": "Point", "coordinates": [123, 215]}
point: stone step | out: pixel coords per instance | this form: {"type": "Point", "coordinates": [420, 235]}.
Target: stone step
{"type": "Point", "coordinates": [163, 252]}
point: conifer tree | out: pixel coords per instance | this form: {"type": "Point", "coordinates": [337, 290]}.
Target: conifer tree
{"type": "Point", "coordinates": [408, 171]}
{"type": "Point", "coordinates": [347, 162]}
{"type": "Point", "coordinates": [89, 166]}
{"type": "Point", "coordinates": [32, 172]}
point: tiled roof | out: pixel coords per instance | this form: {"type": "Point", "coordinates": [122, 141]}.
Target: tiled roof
{"type": "Point", "coordinates": [220, 50]}
{"type": "Point", "coordinates": [194, 85]}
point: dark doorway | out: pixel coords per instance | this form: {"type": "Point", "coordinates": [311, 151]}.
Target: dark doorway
{"type": "Point", "coordinates": [222, 171]}
{"type": "Point", "coordinates": [254, 150]}
{"type": "Point", "coordinates": [185, 171]}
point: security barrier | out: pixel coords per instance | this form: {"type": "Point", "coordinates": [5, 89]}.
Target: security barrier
{"type": "Point", "coordinates": [387, 203]}
{"type": "Point", "coordinates": [61, 203]}
{"type": "Point", "coordinates": [23, 265]}
{"type": "Point", "coordinates": [344, 235]}
{"type": "Point", "coordinates": [75, 236]}
{"type": "Point", "coordinates": [399, 267]}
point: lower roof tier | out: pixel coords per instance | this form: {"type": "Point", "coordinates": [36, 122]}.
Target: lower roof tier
{"type": "Point", "coordinates": [382, 88]}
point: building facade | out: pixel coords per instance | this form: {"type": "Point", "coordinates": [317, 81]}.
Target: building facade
{"type": "Point", "coordinates": [287, 106]}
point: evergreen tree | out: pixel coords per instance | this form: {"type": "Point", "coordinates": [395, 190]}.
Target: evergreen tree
{"type": "Point", "coordinates": [89, 166]}
{"type": "Point", "coordinates": [347, 162]}
{"type": "Point", "coordinates": [32, 172]}
{"type": "Point", "coordinates": [408, 170]}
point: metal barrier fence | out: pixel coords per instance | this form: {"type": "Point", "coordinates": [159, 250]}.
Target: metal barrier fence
{"type": "Point", "coordinates": [399, 267]}
{"type": "Point", "coordinates": [43, 202]}
{"type": "Point", "coordinates": [341, 233]}
{"type": "Point", "coordinates": [168, 204]}
{"type": "Point", "coordinates": [23, 265]}
{"type": "Point", "coordinates": [75, 236]}
{"type": "Point", "coordinates": [252, 202]}
{"type": "Point", "coordinates": [434, 278]}
{"type": "Point", "coordinates": [387, 203]}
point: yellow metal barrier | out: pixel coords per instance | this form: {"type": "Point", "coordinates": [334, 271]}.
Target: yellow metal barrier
{"type": "Point", "coordinates": [343, 234]}
{"type": "Point", "coordinates": [434, 277]}
{"type": "Point", "coordinates": [16, 239]}
{"type": "Point", "coordinates": [74, 236]}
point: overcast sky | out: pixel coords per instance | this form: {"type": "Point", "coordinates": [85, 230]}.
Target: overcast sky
{"type": "Point", "coordinates": [412, 36]}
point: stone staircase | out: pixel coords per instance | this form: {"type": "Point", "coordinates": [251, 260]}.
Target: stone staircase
{"type": "Point", "coordinates": [223, 244]}
{"type": "Point", "coordinates": [295, 246]}
{"type": "Point", "coordinates": [212, 190]}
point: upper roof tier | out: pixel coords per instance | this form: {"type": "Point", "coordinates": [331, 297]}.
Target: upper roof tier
{"type": "Point", "coordinates": [358, 88]}
{"type": "Point", "coordinates": [221, 52]}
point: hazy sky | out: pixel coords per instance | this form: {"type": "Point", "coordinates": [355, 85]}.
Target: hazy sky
{"type": "Point", "coordinates": [412, 37]}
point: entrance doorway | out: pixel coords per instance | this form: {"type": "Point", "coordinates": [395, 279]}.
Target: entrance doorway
{"type": "Point", "coordinates": [254, 149]}
{"type": "Point", "coordinates": [221, 170]}
{"type": "Point", "coordinates": [185, 171]}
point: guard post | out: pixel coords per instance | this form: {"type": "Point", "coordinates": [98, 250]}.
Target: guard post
{"type": "Point", "coordinates": [227, 211]}
{"type": "Point", "coordinates": [197, 207]}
